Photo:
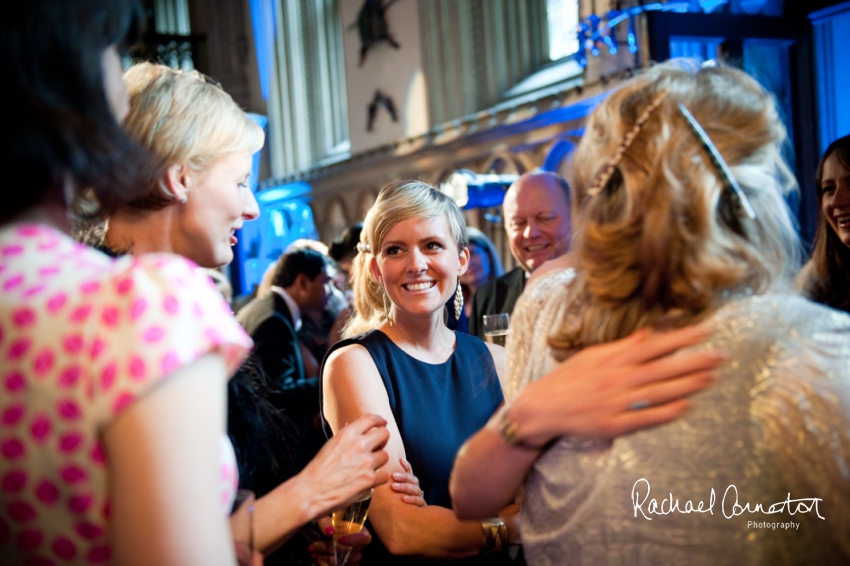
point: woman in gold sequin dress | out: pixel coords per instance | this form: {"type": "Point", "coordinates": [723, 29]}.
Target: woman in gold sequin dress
{"type": "Point", "coordinates": [679, 183]}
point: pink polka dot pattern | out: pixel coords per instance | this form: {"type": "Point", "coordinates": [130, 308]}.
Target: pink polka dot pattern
{"type": "Point", "coordinates": [79, 504]}
{"type": "Point", "coordinates": [47, 492]}
{"type": "Point", "coordinates": [107, 377]}
{"type": "Point", "coordinates": [97, 348]}
{"type": "Point", "coordinates": [70, 377]}
{"type": "Point", "coordinates": [13, 414]}
{"type": "Point", "coordinates": [137, 368]}
{"type": "Point", "coordinates": [64, 548]}
{"type": "Point", "coordinates": [122, 402]}
{"type": "Point", "coordinates": [43, 362]}
{"type": "Point", "coordinates": [56, 302]}
{"type": "Point", "coordinates": [73, 343]}
{"type": "Point", "coordinates": [15, 382]}
{"type": "Point", "coordinates": [68, 443]}
{"type": "Point", "coordinates": [14, 481]}
{"type": "Point", "coordinates": [90, 287]}
{"type": "Point", "coordinates": [11, 250]}
{"type": "Point", "coordinates": [81, 313]}
{"type": "Point", "coordinates": [12, 449]}
{"type": "Point", "coordinates": [137, 309]}
{"type": "Point", "coordinates": [18, 349]}
{"type": "Point", "coordinates": [97, 455]}
{"type": "Point", "coordinates": [110, 316]}
{"type": "Point", "coordinates": [88, 531]}
{"type": "Point", "coordinates": [82, 337]}
{"type": "Point", "coordinates": [41, 428]}
{"type": "Point", "coordinates": [153, 334]}
{"type": "Point", "coordinates": [68, 409]}
{"type": "Point", "coordinates": [33, 291]}
{"type": "Point", "coordinates": [23, 317]}
{"type": "Point", "coordinates": [73, 474]}
{"type": "Point", "coordinates": [21, 512]}
{"type": "Point", "coordinates": [13, 282]}
{"type": "Point", "coordinates": [170, 305]}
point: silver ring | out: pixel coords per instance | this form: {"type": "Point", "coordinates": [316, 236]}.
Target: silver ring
{"type": "Point", "coordinates": [422, 495]}
{"type": "Point", "coordinates": [638, 405]}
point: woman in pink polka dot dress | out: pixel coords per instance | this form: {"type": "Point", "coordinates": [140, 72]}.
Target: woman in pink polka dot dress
{"type": "Point", "coordinates": [111, 372]}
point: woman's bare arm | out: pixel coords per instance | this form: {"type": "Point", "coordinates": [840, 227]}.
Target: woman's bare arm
{"type": "Point", "coordinates": [163, 454]}
{"type": "Point", "coordinates": [352, 387]}
{"type": "Point", "coordinates": [590, 395]}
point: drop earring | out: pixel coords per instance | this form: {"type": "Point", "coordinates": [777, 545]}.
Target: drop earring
{"type": "Point", "coordinates": [386, 304]}
{"type": "Point", "coordinates": [458, 301]}
{"type": "Point", "coordinates": [387, 310]}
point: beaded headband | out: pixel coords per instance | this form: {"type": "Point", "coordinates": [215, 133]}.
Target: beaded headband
{"type": "Point", "coordinates": [606, 173]}
{"type": "Point", "coordinates": [364, 247]}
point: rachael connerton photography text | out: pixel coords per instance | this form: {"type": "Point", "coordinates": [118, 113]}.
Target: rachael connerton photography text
{"type": "Point", "coordinates": [730, 505]}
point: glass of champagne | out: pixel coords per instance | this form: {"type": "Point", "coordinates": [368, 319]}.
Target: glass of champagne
{"type": "Point", "coordinates": [496, 328]}
{"type": "Point", "coordinates": [348, 521]}
{"type": "Point", "coordinates": [242, 526]}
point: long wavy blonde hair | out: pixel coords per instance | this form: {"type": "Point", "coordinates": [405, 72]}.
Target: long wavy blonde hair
{"type": "Point", "coordinates": [652, 247]}
{"type": "Point", "coordinates": [396, 202]}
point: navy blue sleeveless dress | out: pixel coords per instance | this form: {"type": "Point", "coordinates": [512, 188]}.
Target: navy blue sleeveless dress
{"type": "Point", "coordinates": [437, 408]}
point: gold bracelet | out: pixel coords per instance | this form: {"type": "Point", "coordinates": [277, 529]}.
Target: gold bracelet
{"type": "Point", "coordinates": [495, 536]}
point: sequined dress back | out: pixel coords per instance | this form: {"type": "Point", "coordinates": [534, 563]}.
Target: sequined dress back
{"type": "Point", "coordinates": [775, 427]}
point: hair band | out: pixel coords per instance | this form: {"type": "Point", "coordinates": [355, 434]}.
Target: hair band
{"type": "Point", "coordinates": [608, 170]}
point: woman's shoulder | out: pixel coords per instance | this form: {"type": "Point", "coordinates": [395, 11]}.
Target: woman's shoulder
{"type": "Point", "coordinates": [540, 310]}
{"type": "Point", "coordinates": [552, 288]}
{"type": "Point", "coordinates": [791, 314]}
{"type": "Point", "coordinates": [350, 351]}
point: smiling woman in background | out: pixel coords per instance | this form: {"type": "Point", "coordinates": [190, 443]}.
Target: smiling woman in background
{"type": "Point", "coordinates": [826, 278]}
{"type": "Point", "coordinates": [484, 266]}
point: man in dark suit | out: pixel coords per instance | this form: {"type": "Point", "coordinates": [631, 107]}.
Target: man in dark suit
{"type": "Point", "coordinates": [536, 211]}
{"type": "Point", "coordinates": [301, 283]}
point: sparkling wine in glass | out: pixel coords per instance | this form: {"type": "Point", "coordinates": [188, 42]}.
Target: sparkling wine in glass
{"type": "Point", "coordinates": [348, 521]}
{"type": "Point", "coordinates": [496, 328]}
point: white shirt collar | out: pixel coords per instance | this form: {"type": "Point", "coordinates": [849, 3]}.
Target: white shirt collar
{"type": "Point", "coordinates": [293, 306]}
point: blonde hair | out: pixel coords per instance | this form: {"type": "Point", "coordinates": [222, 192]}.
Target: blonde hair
{"type": "Point", "coordinates": [396, 202]}
{"type": "Point", "coordinates": [183, 119]}
{"type": "Point", "coordinates": [652, 246]}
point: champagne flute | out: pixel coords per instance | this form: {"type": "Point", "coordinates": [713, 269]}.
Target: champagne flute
{"type": "Point", "coordinates": [242, 526]}
{"type": "Point", "coordinates": [348, 521]}
{"type": "Point", "coordinates": [496, 328]}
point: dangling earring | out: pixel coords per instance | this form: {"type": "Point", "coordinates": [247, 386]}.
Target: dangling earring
{"type": "Point", "coordinates": [458, 301]}
{"type": "Point", "coordinates": [387, 309]}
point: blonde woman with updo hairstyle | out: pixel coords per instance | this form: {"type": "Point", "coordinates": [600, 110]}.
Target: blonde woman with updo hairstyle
{"type": "Point", "coordinates": [197, 194]}
{"type": "Point", "coordinates": [435, 387]}
{"type": "Point", "coordinates": [679, 185]}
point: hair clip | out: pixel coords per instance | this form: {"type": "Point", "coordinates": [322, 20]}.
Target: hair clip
{"type": "Point", "coordinates": [608, 170]}
{"type": "Point", "coordinates": [729, 183]}
{"type": "Point", "coordinates": [364, 247]}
